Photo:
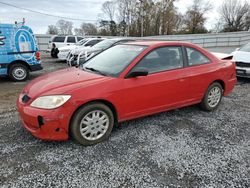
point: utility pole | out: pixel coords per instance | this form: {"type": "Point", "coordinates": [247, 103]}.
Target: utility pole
{"type": "Point", "coordinates": [142, 13]}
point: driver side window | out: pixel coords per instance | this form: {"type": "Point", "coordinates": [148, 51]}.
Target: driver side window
{"type": "Point", "coordinates": [162, 59]}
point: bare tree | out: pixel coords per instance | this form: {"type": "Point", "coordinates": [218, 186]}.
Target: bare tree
{"type": "Point", "coordinates": [235, 15]}
{"type": "Point", "coordinates": [126, 9]}
{"type": "Point", "coordinates": [195, 19]}
{"type": "Point", "coordinates": [153, 17]}
{"type": "Point", "coordinates": [170, 19]}
{"type": "Point", "coordinates": [109, 9]}
{"type": "Point", "coordinates": [88, 29]}
{"type": "Point", "coordinates": [52, 30]}
{"type": "Point", "coordinates": [64, 27]}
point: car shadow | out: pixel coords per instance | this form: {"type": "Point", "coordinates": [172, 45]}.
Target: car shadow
{"type": "Point", "coordinates": [242, 80]}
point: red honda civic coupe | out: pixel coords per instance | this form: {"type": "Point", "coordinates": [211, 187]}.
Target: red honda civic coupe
{"type": "Point", "coordinates": [124, 82]}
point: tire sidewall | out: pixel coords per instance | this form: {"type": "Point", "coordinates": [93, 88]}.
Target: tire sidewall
{"type": "Point", "coordinates": [76, 120]}
{"type": "Point", "coordinates": [205, 104]}
{"type": "Point", "coordinates": [13, 67]}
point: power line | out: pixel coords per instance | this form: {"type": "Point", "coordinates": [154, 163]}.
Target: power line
{"type": "Point", "coordinates": [46, 14]}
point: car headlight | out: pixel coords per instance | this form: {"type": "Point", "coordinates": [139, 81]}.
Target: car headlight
{"type": "Point", "coordinates": [50, 102]}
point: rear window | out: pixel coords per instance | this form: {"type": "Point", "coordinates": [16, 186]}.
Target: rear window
{"type": "Point", "coordinates": [71, 40]}
{"type": "Point", "coordinates": [58, 39]}
{"type": "Point", "coordinates": [79, 38]}
{"type": "Point", "coordinates": [92, 42]}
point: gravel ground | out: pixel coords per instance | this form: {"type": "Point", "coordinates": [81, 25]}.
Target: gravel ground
{"type": "Point", "coordinates": [181, 148]}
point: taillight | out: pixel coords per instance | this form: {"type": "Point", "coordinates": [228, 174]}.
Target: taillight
{"type": "Point", "coordinates": [38, 56]}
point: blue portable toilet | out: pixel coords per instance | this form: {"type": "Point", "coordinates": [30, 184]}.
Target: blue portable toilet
{"type": "Point", "coordinates": [18, 51]}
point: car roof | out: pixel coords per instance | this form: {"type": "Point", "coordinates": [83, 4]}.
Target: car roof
{"type": "Point", "coordinates": [155, 43]}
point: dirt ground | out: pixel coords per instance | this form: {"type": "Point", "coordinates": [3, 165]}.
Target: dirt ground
{"type": "Point", "coordinates": [181, 148]}
{"type": "Point", "coordinates": [9, 90]}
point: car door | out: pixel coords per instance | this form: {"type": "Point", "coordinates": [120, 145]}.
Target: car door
{"type": "Point", "coordinates": [164, 87]}
{"type": "Point", "coordinates": [71, 40]}
{"type": "Point", "coordinates": [201, 71]}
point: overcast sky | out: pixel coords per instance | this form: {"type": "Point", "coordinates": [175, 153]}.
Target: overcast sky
{"type": "Point", "coordinates": [81, 9]}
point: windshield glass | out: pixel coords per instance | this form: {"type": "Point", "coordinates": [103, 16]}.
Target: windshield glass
{"type": "Point", "coordinates": [81, 42]}
{"type": "Point", "coordinates": [245, 48]}
{"type": "Point", "coordinates": [113, 61]}
{"type": "Point", "coordinates": [105, 44]}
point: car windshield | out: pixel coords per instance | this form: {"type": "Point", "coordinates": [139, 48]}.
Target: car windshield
{"type": "Point", "coordinates": [105, 44]}
{"type": "Point", "coordinates": [81, 42]}
{"type": "Point", "coordinates": [245, 48]}
{"type": "Point", "coordinates": [113, 61]}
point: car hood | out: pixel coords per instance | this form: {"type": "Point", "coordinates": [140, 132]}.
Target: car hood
{"type": "Point", "coordinates": [241, 56]}
{"type": "Point", "coordinates": [221, 55]}
{"type": "Point", "coordinates": [62, 82]}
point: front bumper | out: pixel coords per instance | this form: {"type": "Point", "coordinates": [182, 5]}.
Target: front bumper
{"type": "Point", "coordinates": [243, 71]}
{"type": "Point", "coordinates": [36, 67]}
{"type": "Point", "coordinates": [44, 124]}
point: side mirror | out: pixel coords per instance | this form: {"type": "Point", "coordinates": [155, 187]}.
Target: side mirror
{"type": "Point", "coordinates": [137, 72]}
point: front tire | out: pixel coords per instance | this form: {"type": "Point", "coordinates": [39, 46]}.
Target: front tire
{"type": "Point", "coordinates": [212, 98]}
{"type": "Point", "coordinates": [18, 72]}
{"type": "Point", "coordinates": [92, 124]}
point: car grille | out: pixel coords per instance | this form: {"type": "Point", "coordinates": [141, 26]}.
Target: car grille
{"type": "Point", "coordinates": [25, 99]}
{"type": "Point", "coordinates": [241, 64]}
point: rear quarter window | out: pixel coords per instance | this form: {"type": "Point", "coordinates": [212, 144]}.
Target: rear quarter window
{"type": "Point", "coordinates": [58, 39]}
{"type": "Point", "coordinates": [195, 57]}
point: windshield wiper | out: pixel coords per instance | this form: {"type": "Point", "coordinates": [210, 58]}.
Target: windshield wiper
{"type": "Point", "coordinates": [95, 70]}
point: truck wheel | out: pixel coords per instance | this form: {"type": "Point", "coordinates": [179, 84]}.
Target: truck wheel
{"type": "Point", "coordinates": [18, 72]}
{"type": "Point", "coordinates": [212, 97]}
{"type": "Point", "coordinates": [54, 52]}
{"type": "Point", "coordinates": [92, 124]}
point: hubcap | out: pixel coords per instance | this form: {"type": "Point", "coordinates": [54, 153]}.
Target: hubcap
{"type": "Point", "coordinates": [214, 97]}
{"type": "Point", "coordinates": [19, 73]}
{"type": "Point", "coordinates": [94, 125]}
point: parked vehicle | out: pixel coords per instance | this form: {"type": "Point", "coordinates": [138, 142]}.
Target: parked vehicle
{"type": "Point", "coordinates": [79, 56]}
{"type": "Point", "coordinates": [222, 55]}
{"type": "Point", "coordinates": [87, 42]}
{"type": "Point", "coordinates": [58, 41]}
{"type": "Point", "coordinates": [241, 56]}
{"type": "Point", "coordinates": [124, 82]}
{"type": "Point", "coordinates": [18, 51]}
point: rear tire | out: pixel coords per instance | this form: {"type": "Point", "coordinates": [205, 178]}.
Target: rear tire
{"type": "Point", "coordinates": [92, 124]}
{"type": "Point", "coordinates": [212, 98]}
{"type": "Point", "coordinates": [54, 52]}
{"type": "Point", "coordinates": [18, 72]}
